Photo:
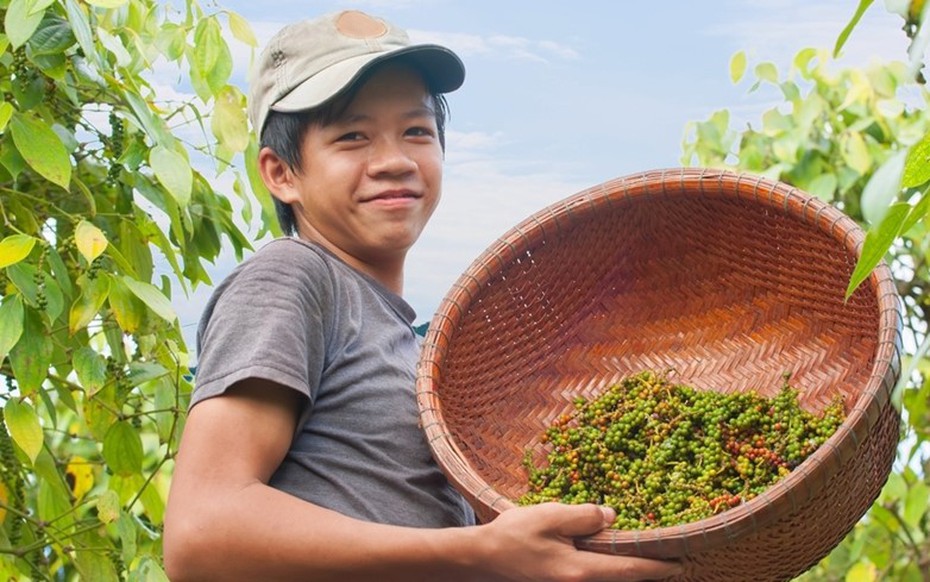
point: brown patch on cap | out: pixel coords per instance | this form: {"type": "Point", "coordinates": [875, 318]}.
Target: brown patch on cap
{"type": "Point", "coordinates": [359, 25]}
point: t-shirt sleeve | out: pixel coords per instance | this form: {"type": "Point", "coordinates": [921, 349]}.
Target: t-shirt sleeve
{"type": "Point", "coordinates": [267, 320]}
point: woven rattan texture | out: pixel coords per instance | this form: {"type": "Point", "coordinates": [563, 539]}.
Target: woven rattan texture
{"type": "Point", "coordinates": [731, 281]}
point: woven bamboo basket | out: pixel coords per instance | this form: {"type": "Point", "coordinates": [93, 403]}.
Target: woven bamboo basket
{"type": "Point", "coordinates": [729, 280]}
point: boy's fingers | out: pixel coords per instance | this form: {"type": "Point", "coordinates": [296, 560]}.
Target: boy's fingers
{"type": "Point", "coordinates": [577, 520]}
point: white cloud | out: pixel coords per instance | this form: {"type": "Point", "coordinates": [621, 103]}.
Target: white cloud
{"type": "Point", "coordinates": [782, 27]}
{"type": "Point", "coordinates": [497, 46]}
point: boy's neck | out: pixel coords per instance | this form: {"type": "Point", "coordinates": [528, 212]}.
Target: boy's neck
{"type": "Point", "coordinates": [389, 271]}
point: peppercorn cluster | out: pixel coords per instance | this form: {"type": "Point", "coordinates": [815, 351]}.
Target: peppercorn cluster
{"type": "Point", "coordinates": [664, 454]}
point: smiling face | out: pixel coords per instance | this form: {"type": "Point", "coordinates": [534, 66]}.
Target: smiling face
{"type": "Point", "coordinates": [370, 179]}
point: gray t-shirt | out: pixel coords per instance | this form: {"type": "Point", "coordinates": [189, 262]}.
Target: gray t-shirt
{"type": "Point", "coordinates": [295, 314]}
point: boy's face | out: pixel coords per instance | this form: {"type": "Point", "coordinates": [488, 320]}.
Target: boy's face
{"type": "Point", "coordinates": [371, 179]}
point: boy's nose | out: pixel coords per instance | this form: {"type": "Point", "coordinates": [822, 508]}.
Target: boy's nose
{"type": "Point", "coordinates": [387, 156]}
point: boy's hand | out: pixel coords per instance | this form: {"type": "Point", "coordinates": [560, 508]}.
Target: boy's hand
{"type": "Point", "coordinates": [535, 543]}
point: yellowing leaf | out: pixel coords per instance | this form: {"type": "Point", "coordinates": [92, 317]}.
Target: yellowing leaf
{"type": "Point", "coordinates": [23, 424]}
{"type": "Point", "coordinates": [90, 240]}
{"type": "Point", "coordinates": [737, 66]}
{"type": "Point", "coordinates": [862, 571]}
{"type": "Point", "coordinates": [127, 308]}
{"type": "Point", "coordinates": [93, 293]}
{"type": "Point", "coordinates": [241, 29]}
{"type": "Point", "coordinates": [855, 153]}
{"type": "Point", "coordinates": [80, 476]}
{"type": "Point", "coordinates": [229, 121]}
{"type": "Point", "coordinates": [15, 248]}
{"type": "Point", "coordinates": [174, 172]}
{"type": "Point", "coordinates": [108, 506]}
{"type": "Point", "coordinates": [4, 501]}
{"type": "Point", "coordinates": [42, 149]}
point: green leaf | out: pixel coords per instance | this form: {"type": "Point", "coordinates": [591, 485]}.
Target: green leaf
{"type": "Point", "coordinates": [210, 58]}
{"type": "Point", "coordinates": [107, 3]}
{"type": "Point", "coordinates": [878, 240]}
{"type": "Point", "coordinates": [41, 148]}
{"type": "Point", "coordinates": [24, 426]}
{"type": "Point", "coordinates": [174, 172]}
{"type": "Point", "coordinates": [142, 372]}
{"type": "Point", "coordinates": [40, 5]}
{"type": "Point", "coordinates": [23, 277]}
{"type": "Point", "coordinates": [269, 216]}
{"type": "Point", "coordinates": [917, 166]}
{"type": "Point", "coordinates": [882, 188]}
{"type": "Point", "coordinates": [151, 296]}
{"type": "Point", "coordinates": [95, 566]}
{"type": "Point", "coordinates": [31, 357]}
{"type": "Point", "coordinates": [126, 528]}
{"type": "Point", "coordinates": [149, 571]}
{"type": "Point", "coordinates": [241, 29]}
{"type": "Point", "coordinates": [915, 504]}
{"type": "Point", "coordinates": [54, 300]}
{"type": "Point", "coordinates": [229, 122]}
{"type": "Point", "coordinates": [803, 59]}
{"type": "Point", "coordinates": [93, 294]}
{"type": "Point", "coordinates": [171, 40]}
{"type": "Point", "coordinates": [6, 112]}
{"type": "Point", "coordinates": [91, 369]}
{"type": "Point", "coordinates": [844, 35]}
{"type": "Point", "coordinates": [90, 240]}
{"type": "Point", "coordinates": [52, 37]}
{"type": "Point", "coordinates": [122, 449]}
{"type": "Point", "coordinates": [20, 21]}
{"type": "Point", "coordinates": [15, 248]}
{"type": "Point", "coordinates": [114, 45]}
{"type": "Point", "coordinates": [823, 186]}
{"type": "Point", "coordinates": [153, 125]}
{"type": "Point", "coordinates": [11, 323]}
{"type": "Point", "coordinates": [767, 72]}
{"type": "Point", "coordinates": [80, 26]}
{"type": "Point", "coordinates": [53, 503]}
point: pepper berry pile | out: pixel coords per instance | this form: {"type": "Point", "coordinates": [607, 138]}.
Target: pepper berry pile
{"type": "Point", "coordinates": [665, 454]}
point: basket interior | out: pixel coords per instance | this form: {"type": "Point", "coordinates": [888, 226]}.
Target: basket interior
{"type": "Point", "coordinates": [729, 293]}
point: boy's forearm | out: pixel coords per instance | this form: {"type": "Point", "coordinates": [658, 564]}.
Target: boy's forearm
{"type": "Point", "coordinates": [259, 533]}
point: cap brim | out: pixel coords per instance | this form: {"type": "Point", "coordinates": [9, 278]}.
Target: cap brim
{"type": "Point", "coordinates": [443, 69]}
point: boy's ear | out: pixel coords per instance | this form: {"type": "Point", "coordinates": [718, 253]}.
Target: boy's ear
{"type": "Point", "coordinates": [277, 175]}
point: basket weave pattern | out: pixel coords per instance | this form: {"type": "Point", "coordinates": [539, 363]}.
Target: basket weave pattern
{"type": "Point", "coordinates": [731, 281]}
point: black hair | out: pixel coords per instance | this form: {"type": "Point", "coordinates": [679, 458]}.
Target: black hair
{"type": "Point", "coordinates": [284, 133]}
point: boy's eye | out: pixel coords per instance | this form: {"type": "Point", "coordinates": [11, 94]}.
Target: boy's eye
{"type": "Point", "coordinates": [351, 136]}
{"type": "Point", "coordinates": [420, 131]}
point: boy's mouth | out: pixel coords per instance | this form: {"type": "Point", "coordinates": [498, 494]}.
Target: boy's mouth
{"type": "Point", "coordinates": [392, 195]}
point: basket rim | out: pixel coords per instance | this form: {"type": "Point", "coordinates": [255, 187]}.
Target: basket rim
{"type": "Point", "coordinates": [815, 471]}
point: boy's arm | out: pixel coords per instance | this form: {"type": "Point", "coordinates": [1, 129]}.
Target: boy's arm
{"type": "Point", "coordinates": [225, 523]}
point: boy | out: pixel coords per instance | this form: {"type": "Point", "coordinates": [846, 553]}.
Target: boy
{"type": "Point", "coordinates": [302, 458]}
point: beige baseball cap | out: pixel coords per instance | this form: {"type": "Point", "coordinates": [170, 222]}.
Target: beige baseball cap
{"type": "Point", "coordinates": [309, 62]}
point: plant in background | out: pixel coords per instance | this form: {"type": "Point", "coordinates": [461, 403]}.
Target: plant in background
{"type": "Point", "coordinates": [860, 140]}
{"type": "Point", "coordinates": [104, 217]}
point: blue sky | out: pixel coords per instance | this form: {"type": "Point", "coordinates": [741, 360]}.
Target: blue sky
{"type": "Point", "coordinates": [560, 96]}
